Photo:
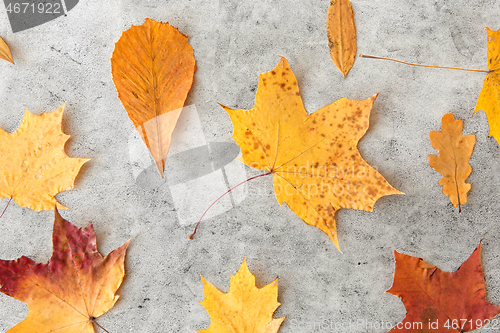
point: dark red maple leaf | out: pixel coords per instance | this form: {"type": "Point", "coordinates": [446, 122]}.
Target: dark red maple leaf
{"type": "Point", "coordinates": [438, 301]}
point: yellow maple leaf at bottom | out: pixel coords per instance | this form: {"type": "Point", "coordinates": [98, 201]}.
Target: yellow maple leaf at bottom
{"type": "Point", "coordinates": [316, 166]}
{"type": "Point", "coordinates": [489, 98]}
{"type": "Point", "coordinates": [33, 164]}
{"type": "Point", "coordinates": [245, 308]}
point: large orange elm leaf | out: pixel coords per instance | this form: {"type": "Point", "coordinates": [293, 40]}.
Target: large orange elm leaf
{"type": "Point", "coordinates": [341, 33]}
{"type": "Point", "coordinates": [455, 302]}
{"type": "Point", "coordinates": [489, 98]}
{"type": "Point", "coordinates": [66, 294]}
{"type": "Point", "coordinates": [245, 308]}
{"type": "Point", "coordinates": [454, 151]}
{"type": "Point", "coordinates": [153, 67]}
{"type": "Point", "coordinates": [316, 166]}
{"type": "Point", "coordinates": [33, 164]}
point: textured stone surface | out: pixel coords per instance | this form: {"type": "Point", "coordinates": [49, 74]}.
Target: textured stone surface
{"type": "Point", "coordinates": [68, 59]}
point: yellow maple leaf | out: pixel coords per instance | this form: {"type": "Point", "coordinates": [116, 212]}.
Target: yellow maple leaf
{"type": "Point", "coordinates": [489, 98]}
{"type": "Point", "coordinates": [33, 164]}
{"type": "Point", "coordinates": [244, 308]}
{"type": "Point", "coordinates": [69, 292]}
{"type": "Point", "coordinates": [314, 160]}
{"type": "Point", "coordinates": [341, 33]}
{"type": "Point", "coordinates": [454, 151]}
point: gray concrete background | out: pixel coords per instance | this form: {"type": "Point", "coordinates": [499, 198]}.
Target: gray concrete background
{"type": "Point", "coordinates": [69, 60]}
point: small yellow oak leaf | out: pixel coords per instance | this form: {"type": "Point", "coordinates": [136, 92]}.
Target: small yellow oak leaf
{"type": "Point", "coordinates": [245, 308]}
{"type": "Point", "coordinates": [454, 151]}
{"type": "Point", "coordinates": [489, 98]}
{"type": "Point", "coordinates": [33, 164]}
{"type": "Point", "coordinates": [313, 158]}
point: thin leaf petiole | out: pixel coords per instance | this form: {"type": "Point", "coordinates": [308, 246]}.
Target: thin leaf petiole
{"type": "Point", "coordinates": [102, 328]}
{"type": "Point", "coordinates": [419, 65]}
{"type": "Point", "coordinates": [6, 207]}
{"type": "Point", "coordinates": [213, 203]}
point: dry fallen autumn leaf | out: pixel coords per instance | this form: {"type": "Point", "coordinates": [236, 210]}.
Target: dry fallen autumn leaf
{"type": "Point", "coordinates": [153, 67]}
{"type": "Point", "coordinates": [34, 166]}
{"type": "Point", "coordinates": [245, 308]}
{"type": "Point", "coordinates": [66, 294]}
{"type": "Point", "coordinates": [314, 160]}
{"type": "Point", "coordinates": [454, 151]}
{"type": "Point", "coordinates": [5, 51]}
{"type": "Point", "coordinates": [438, 301]}
{"type": "Point", "coordinates": [341, 33]}
{"type": "Point", "coordinates": [489, 98]}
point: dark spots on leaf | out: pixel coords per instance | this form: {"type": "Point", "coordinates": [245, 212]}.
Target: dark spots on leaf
{"type": "Point", "coordinates": [273, 72]}
{"type": "Point", "coordinates": [268, 147]}
{"type": "Point", "coordinates": [372, 191]}
{"type": "Point", "coordinates": [339, 145]}
{"type": "Point", "coordinates": [282, 86]}
{"type": "Point", "coordinates": [255, 145]}
{"type": "Point", "coordinates": [135, 95]}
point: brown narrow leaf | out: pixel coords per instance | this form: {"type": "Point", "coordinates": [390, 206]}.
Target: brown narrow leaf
{"type": "Point", "coordinates": [341, 34]}
{"type": "Point", "coordinates": [5, 51]}
{"type": "Point", "coordinates": [153, 67]}
{"type": "Point", "coordinates": [454, 151]}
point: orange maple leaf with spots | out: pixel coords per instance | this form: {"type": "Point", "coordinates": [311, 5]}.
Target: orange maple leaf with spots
{"type": "Point", "coordinates": [316, 166]}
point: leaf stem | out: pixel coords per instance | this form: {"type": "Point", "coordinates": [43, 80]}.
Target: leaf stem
{"type": "Point", "coordinates": [102, 328]}
{"type": "Point", "coordinates": [419, 65]}
{"type": "Point", "coordinates": [213, 203]}
{"type": "Point", "coordinates": [6, 207]}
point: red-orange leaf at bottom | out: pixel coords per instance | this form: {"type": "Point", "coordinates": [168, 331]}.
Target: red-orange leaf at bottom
{"type": "Point", "coordinates": [438, 301]}
{"type": "Point", "coordinates": [66, 294]}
